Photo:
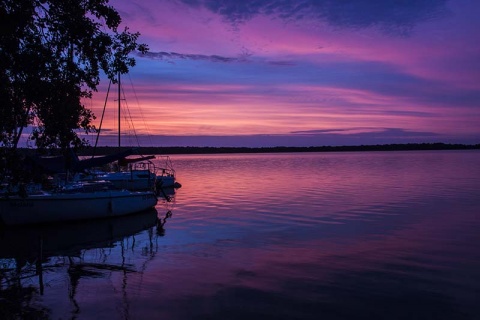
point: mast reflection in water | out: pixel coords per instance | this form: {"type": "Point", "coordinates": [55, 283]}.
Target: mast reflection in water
{"type": "Point", "coordinates": [46, 271]}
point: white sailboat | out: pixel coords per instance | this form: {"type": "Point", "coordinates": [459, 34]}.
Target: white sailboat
{"type": "Point", "coordinates": [74, 201]}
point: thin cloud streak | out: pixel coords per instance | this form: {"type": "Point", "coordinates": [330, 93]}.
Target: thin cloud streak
{"type": "Point", "coordinates": [170, 56]}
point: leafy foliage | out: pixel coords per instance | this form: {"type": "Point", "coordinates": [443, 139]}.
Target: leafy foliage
{"type": "Point", "coordinates": [51, 54]}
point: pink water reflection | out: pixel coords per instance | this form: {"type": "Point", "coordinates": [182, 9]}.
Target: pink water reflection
{"type": "Point", "coordinates": [297, 234]}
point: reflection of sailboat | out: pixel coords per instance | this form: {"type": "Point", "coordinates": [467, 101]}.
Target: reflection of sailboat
{"type": "Point", "coordinates": [24, 242]}
{"type": "Point", "coordinates": [136, 173]}
{"type": "Point", "coordinates": [83, 250]}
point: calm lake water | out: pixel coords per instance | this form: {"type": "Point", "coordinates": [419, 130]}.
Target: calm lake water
{"type": "Point", "coordinates": [370, 235]}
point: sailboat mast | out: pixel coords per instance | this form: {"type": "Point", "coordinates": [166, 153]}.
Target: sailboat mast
{"type": "Point", "coordinates": [119, 109]}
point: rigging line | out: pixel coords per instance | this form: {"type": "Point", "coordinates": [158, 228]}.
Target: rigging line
{"type": "Point", "coordinates": [131, 129]}
{"type": "Point", "coordinates": [126, 117]}
{"type": "Point", "coordinates": [141, 111]}
{"type": "Point", "coordinates": [129, 116]}
{"type": "Point", "coordinates": [131, 122]}
{"type": "Point", "coordinates": [101, 119]}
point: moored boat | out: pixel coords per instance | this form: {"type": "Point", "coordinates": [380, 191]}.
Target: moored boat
{"type": "Point", "coordinates": [140, 176]}
{"type": "Point", "coordinates": [144, 175]}
{"type": "Point", "coordinates": [76, 201]}
{"type": "Point", "coordinates": [136, 173]}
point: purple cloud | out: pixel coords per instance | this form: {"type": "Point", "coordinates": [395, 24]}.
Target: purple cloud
{"type": "Point", "coordinates": [389, 15]}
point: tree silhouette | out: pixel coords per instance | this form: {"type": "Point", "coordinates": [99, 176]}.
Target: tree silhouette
{"type": "Point", "coordinates": [51, 55]}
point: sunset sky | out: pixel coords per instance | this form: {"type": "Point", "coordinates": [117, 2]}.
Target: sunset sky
{"type": "Point", "coordinates": [302, 72]}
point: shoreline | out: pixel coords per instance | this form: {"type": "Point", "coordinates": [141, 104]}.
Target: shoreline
{"type": "Point", "coordinates": [280, 149]}
{"type": "Point", "coordinates": [104, 150]}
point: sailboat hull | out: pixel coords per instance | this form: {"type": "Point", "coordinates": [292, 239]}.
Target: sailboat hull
{"type": "Point", "coordinates": [60, 207]}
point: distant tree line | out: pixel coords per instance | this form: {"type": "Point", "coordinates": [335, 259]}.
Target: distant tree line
{"type": "Point", "coordinates": [280, 149]}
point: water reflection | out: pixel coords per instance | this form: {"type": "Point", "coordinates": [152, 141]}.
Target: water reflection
{"type": "Point", "coordinates": [337, 236]}
{"type": "Point", "coordinates": [343, 236]}
{"type": "Point", "coordinates": [43, 265]}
